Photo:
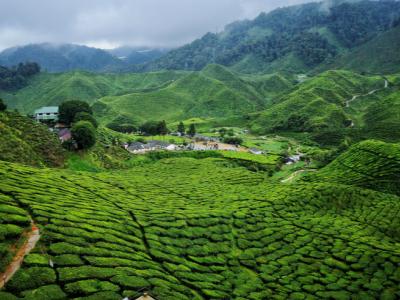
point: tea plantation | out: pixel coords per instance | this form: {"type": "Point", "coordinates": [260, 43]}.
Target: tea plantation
{"type": "Point", "coordinates": [185, 228]}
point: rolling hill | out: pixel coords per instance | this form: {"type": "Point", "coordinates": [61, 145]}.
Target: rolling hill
{"type": "Point", "coordinates": [52, 89]}
{"type": "Point", "coordinates": [369, 164]}
{"type": "Point", "coordinates": [317, 104]}
{"type": "Point", "coordinates": [214, 92]}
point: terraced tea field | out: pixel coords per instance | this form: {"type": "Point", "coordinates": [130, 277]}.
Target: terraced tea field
{"type": "Point", "coordinates": [185, 228]}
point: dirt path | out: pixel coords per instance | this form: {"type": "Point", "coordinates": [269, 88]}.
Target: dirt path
{"type": "Point", "coordinates": [294, 174]}
{"type": "Point", "coordinates": [355, 97]}
{"type": "Point", "coordinates": [32, 237]}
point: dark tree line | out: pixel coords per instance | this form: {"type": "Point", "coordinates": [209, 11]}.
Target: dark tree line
{"type": "Point", "coordinates": [16, 77]}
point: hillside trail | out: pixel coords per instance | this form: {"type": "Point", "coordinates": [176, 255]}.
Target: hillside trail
{"type": "Point", "coordinates": [31, 238]}
{"type": "Point", "coordinates": [294, 174]}
{"type": "Point", "coordinates": [355, 97]}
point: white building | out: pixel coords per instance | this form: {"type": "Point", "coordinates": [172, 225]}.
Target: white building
{"type": "Point", "coordinates": [47, 113]}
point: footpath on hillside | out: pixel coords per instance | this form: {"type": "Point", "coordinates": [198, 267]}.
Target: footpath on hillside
{"type": "Point", "coordinates": [31, 238]}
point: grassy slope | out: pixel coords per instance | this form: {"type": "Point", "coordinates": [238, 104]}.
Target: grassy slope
{"type": "Point", "coordinates": [215, 92]}
{"type": "Point", "coordinates": [321, 99]}
{"type": "Point", "coordinates": [378, 56]}
{"type": "Point", "coordinates": [24, 141]}
{"type": "Point", "coordinates": [369, 164]}
{"type": "Point", "coordinates": [52, 89]}
{"type": "Point", "coordinates": [195, 229]}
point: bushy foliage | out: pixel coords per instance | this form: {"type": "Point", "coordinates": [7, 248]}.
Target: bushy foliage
{"type": "Point", "coordinates": [84, 134]}
{"type": "Point", "coordinates": [123, 124]}
{"type": "Point", "coordinates": [69, 109]}
{"type": "Point", "coordinates": [84, 116]}
{"type": "Point", "coordinates": [154, 128]}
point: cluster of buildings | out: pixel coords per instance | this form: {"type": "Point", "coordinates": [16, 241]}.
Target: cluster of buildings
{"type": "Point", "coordinates": [49, 115]}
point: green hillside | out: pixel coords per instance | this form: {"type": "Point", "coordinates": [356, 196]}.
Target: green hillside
{"type": "Point", "coordinates": [369, 164]}
{"type": "Point", "coordinates": [317, 104]}
{"type": "Point", "coordinates": [378, 56]}
{"type": "Point", "coordinates": [214, 92]}
{"type": "Point", "coordinates": [24, 141]}
{"type": "Point", "coordinates": [183, 228]}
{"type": "Point", "coordinates": [52, 89]}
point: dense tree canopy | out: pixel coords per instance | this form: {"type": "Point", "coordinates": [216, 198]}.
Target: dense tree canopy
{"type": "Point", "coordinates": [3, 106]}
{"type": "Point", "coordinates": [15, 78]}
{"type": "Point", "coordinates": [84, 116]}
{"type": "Point", "coordinates": [69, 109]}
{"type": "Point", "coordinates": [181, 128]}
{"type": "Point", "coordinates": [123, 124]}
{"type": "Point", "coordinates": [192, 130]}
{"type": "Point", "coordinates": [84, 134]}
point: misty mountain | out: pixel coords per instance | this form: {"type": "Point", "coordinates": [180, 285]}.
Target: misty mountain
{"type": "Point", "coordinates": [296, 38]}
{"type": "Point", "coordinates": [137, 55]}
{"type": "Point", "coordinates": [67, 57]}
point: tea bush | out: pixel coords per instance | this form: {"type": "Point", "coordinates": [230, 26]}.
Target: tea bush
{"type": "Point", "coordinates": [187, 228]}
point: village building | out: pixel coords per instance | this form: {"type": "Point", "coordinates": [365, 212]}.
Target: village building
{"type": "Point", "coordinates": [64, 134]}
{"type": "Point", "coordinates": [256, 151]}
{"type": "Point", "coordinates": [46, 114]}
{"type": "Point", "coordinates": [140, 148]}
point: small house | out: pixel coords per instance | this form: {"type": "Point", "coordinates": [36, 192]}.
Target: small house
{"type": "Point", "coordinates": [256, 151]}
{"type": "Point", "coordinates": [46, 114]}
{"type": "Point", "coordinates": [64, 135]}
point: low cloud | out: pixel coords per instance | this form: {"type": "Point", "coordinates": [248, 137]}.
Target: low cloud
{"type": "Point", "coordinates": [111, 23]}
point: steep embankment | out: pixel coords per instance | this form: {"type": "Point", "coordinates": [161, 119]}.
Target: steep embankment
{"type": "Point", "coordinates": [206, 231]}
{"type": "Point", "coordinates": [316, 104]}
{"type": "Point", "coordinates": [369, 164]}
{"type": "Point", "coordinates": [24, 141]}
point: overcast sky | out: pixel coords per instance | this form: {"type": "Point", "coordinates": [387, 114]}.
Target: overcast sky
{"type": "Point", "coordinates": [112, 23]}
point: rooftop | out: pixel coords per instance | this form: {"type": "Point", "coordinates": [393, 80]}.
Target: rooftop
{"type": "Point", "coordinates": [47, 109]}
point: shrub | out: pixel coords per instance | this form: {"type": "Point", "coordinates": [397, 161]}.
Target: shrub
{"type": "Point", "coordinates": [233, 140]}
{"type": "Point", "coordinates": [84, 134]}
{"type": "Point", "coordinates": [84, 116]}
{"type": "Point", "coordinates": [90, 286]}
{"type": "Point", "coordinates": [47, 292]}
{"type": "Point", "coordinates": [31, 278]}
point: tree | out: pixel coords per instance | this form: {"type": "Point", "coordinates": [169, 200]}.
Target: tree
{"type": "Point", "coordinates": [162, 128]}
{"type": "Point", "coordinates": [233, 140]}
{"type": "Point", "coordinates": [149, 128]}
{"type": "Point", "coordinates": [192, 130]}
{"type": "Point", "coordinates": [69, 109]}
{"type": "Point", "coordinates": [222, 132]}
{"type": "Point", "coordinates": [181, 128]}
{"type": "Point", "coordinates": [3, 106]}
{"type": "Point", "coordinates": [84, 134]}
{"type": "Point", "coordinates": [84, 116]}
{"type": "Point", "coordinates": [123, 123]}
